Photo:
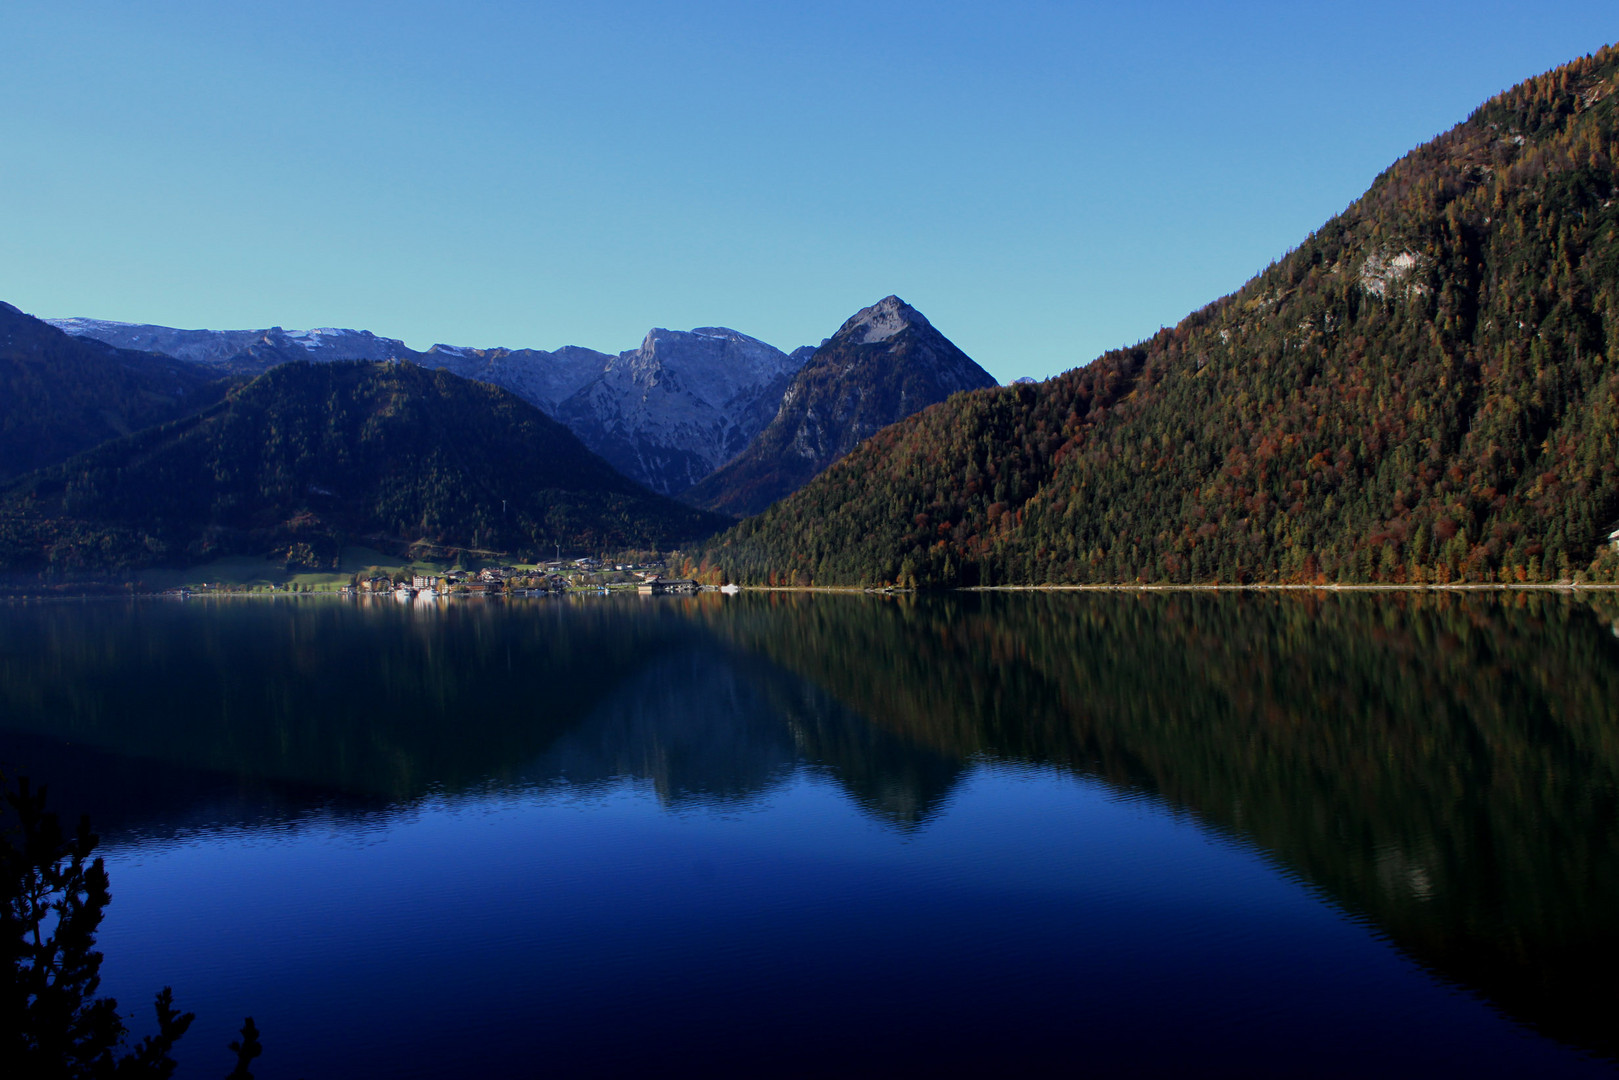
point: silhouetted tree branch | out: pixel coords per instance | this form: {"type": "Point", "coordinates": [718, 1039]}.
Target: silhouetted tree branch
{"type": "Point", "coordinates": [52, 899]}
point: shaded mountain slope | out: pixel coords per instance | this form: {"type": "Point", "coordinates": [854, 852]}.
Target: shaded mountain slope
{"type": "Point", "coordinates": [885, 363]}
{"type": "Point", "coordinates": [667, 413]}
{"type": "Point", "coordinates": [309, 456]}
{"type": "Point", "coordinates": [1427, 389]}
{"type": "Point", "coordinates": [541, 378]}
{"type": "Point", "coordinates": [60, 395]}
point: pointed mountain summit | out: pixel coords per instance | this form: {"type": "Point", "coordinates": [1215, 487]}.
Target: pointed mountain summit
{"type": "Point", "coordinates": [885, 319]}
{"type": "Point", "coordinates": [884, 364]}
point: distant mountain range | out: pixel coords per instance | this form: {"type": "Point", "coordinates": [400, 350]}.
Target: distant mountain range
{"type": "Point", "coordinates": [680, 406]}
{"type": "Point", "coordinates": [274, 442]}
{"type": "Point", "coordinates": [1425, 390]}
{"type": "Point", "coordinates": [886, 363]}
{"type": "Point", "coordinates": [238, 352]}
{"type": "Point", "coordinates": [667, 414]}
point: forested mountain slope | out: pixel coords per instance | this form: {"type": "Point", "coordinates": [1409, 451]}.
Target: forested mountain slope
{"type": "Point", "coordinates": [60, 394]}
{"type": "Point", "coordinates": [1427, 389]}
{"type": "Point", "coordinates": [308, 457]}
{"type": "Point", "coordinates": [885, 363]}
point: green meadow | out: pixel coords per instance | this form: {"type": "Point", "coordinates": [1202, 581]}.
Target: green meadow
{"type": "Point", "coordinates": [250, 573]}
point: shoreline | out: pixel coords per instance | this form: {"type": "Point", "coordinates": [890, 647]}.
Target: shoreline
{"type": "Point", "coordinates": [1567, 587]}
{"type": "Point", "coordinates": [1553, 586]}
{"type": "Point", "coordinates": [1549, 586]}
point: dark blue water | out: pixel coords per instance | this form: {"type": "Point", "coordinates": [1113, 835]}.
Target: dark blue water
{"type": "Point", "coordinates": [813, 835]}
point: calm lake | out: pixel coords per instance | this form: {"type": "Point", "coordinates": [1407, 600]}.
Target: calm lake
{"type": "Point", "coordinates": [854, 835]}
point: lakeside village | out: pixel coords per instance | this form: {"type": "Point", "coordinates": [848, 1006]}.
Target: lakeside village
{"type": "Point", "coordinates": [547, 580]}
{"type": "Point", "coordinates": [588, 576]}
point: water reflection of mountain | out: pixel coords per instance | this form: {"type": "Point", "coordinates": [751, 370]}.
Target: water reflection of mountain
{"type": "Point", "coordinates": [1447, 767]}
{"type": "Point", "coordinates": [142, 799]}
{"type": "Point", "coordinates": [158, 718]}
{"type": "Point", "coordinates": [380, 703]}
{"type": "Point", "coordinates": [710, 724]}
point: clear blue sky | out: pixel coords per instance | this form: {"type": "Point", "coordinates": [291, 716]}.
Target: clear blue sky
{"type": "Point", "coordinates": [1043, 180]}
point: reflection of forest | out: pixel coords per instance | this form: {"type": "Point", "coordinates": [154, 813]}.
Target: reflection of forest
{"type": "Point", "coordinates": [383, 702]}
{"type": "Point", "coordinates": [159, 717]}
{"type": "Point", "coordinates": [1447, 766]}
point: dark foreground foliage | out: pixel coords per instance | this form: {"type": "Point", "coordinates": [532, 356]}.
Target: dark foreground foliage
{"type": "Point", "coordinates": [53, 897]}
{"type": "Point", "coordinates": [1426, 390]}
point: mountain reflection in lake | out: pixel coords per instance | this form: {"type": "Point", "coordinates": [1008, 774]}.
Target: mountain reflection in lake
{"type": "Point", "coordinates": [784, 834]}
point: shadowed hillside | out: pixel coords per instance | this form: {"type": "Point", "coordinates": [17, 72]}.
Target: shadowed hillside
{"type": "Point", "coordinates": [60, 395]}
{"type": "Point", "coordinates": [308, 457]}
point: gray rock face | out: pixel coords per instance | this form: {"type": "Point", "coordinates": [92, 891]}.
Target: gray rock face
{"type": "Point", "coordinates": [545, 379]}
{"type": "Point", "coordinates": [881, 321]}
{"type": "Point", "coordinates": [680, 406]}
{"type": "Point", "coordinates": [666, 414]}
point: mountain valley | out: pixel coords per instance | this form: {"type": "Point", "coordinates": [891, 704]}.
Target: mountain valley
{"type": "Point", "coordinates": [1425, 391]}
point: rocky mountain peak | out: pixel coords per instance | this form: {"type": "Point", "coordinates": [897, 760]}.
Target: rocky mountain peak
{"type": "Point", "coordinates": [881, 321]}
{"type": "Point", "coordinates": [680, 406]}
{"type": "Point", "coordinates": [863, 378]}
{"type": "Point", "coordinates": [708, 346]}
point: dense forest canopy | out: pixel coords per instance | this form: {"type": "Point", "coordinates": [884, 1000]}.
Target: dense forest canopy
{"type": "Point", "coordinates": [1424, 391]}
{"type": "Point", "coordinates": [308, 457]}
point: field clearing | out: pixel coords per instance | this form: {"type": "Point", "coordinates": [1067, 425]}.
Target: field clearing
{"type": "Point", "coordinates": [253, 573]}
